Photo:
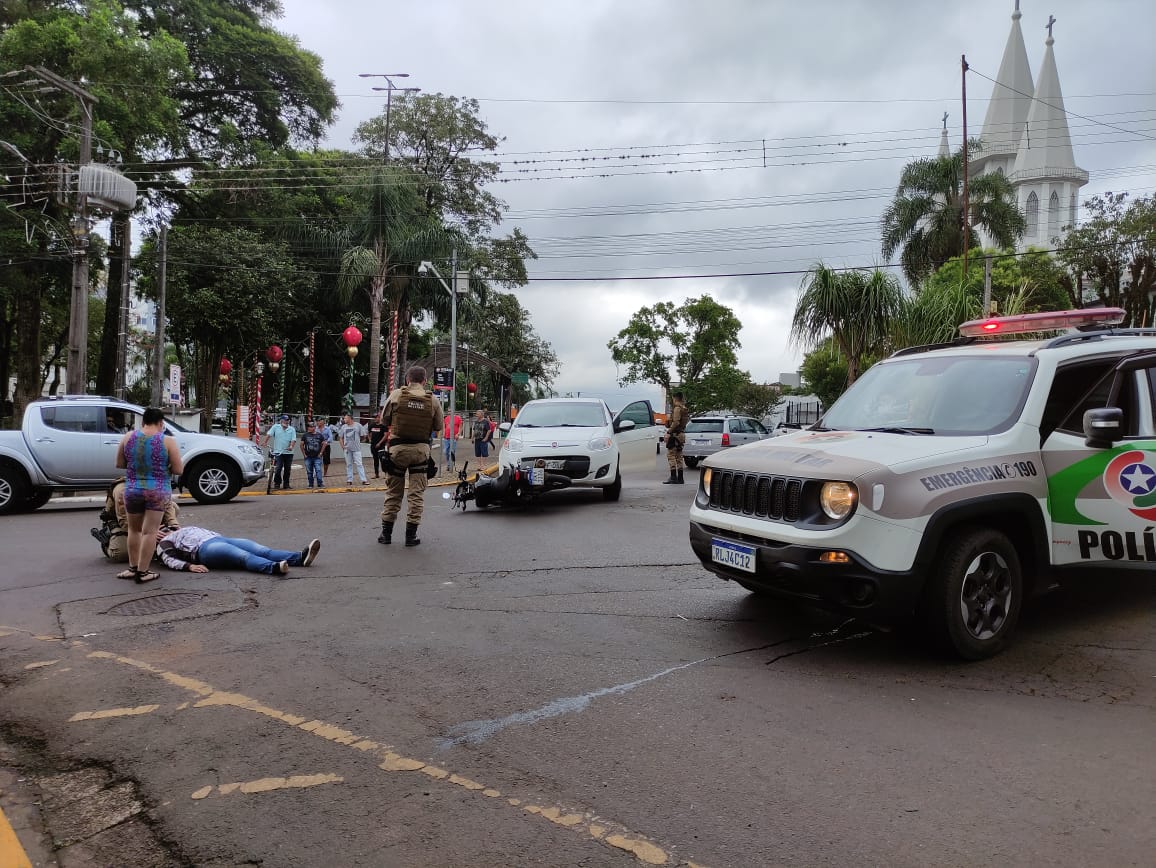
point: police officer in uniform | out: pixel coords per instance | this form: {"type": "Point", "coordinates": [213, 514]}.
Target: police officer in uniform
{"type": "Point", "coordinates": [412, 416]}
{"type": "Point", "coordinates": [675, 439]}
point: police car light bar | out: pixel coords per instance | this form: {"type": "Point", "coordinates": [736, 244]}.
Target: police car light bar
{"type": "Point", "coordinates": [1042, 322]}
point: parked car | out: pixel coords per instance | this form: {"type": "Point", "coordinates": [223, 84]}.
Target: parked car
{"type": "Point", "coordinates": [559, 442]}
{"type": "Point", "coordinates": [706, 435]}
{"type": "Point", "coordinates": [70, 444]}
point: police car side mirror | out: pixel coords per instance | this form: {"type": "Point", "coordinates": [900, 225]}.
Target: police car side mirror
{"type": "Point", "coordinates": [1103, 427]}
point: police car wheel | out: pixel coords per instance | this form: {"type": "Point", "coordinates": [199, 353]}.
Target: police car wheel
{"type": "Point", "coordinates": [974, 596]}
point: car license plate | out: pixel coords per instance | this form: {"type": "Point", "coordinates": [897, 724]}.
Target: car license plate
{"type": "Point", "coordinates": [538, 476]}
{"type": "Point", "coordinates": [556, 465]}
{"type": "Point", "coordinates": [733, 554]}
{"type": "Point", "coordinates": [702, 443]}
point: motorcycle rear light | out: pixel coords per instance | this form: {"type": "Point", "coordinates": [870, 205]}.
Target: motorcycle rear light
{"type": "Point", "coordinates": [726, 441]}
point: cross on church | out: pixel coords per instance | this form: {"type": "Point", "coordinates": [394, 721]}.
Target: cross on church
{"type": "Point", "coordinates": [945, 120]}
{"type": "Point", "coordinates": [1051, 21]}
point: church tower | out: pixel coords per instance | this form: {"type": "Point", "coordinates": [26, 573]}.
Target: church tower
{"type": "Point", "coordinates": [1007, 112]}
{"type": "Point", "coordinates": [1045, 175]}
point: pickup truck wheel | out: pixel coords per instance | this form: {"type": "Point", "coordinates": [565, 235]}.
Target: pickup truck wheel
{"type": "Point", "coordinates": [691, 462]}
{"type": "Point", "coordinates": [614, 490]}
{"type": "Point", "coordinates": [38, 498]}
{"type": "Point", "coordinates": [973, 599]}
{"type": "Point", "coordinates": [213, 480]}
{"type": "Point", "coordinates": [13, 489]}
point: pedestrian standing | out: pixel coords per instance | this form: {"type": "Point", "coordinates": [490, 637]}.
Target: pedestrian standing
{"type": "Point", "coordinates": [350, 435]}
{"type": "Point", "coordinates": [312, 446]}
{"type": "Point", "coordinates": [150, 460]}
{"type": "Point", "coordinates": [451, 431]}
{"type": "Point", "coordinates": [413, 417]}
{"type": "Point", "coordinates": [326, 446]}
{"type": "Point", "coordinates": [675, 439]}
{"type": "Point", "coordinates": [481, 434]}
{"type": "Point", "coordinates": [281, 440]}
{"type": "Point", "coordinates": [377, 432]}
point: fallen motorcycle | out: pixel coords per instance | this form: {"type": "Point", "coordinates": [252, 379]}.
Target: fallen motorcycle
{"type": "Point", "coordinates": [502, 485]}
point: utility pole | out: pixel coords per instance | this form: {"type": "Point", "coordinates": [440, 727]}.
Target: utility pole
{"type": "Point", "coordinates": [987, 285]}
{"type": "Point", "coordinates": [125, 288]}
{"type": "Point", "coordinates": [159, 331]}
{"type": "Point", "coordinates": [78, 315]}
{"type": "Point", "coordinates": [966, 216]}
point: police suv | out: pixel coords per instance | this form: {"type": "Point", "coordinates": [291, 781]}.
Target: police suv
{"type": "Point", "coordinates": [951, 482]}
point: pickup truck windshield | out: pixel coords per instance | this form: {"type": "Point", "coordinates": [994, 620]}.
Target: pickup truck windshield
{"type": "Point", "coordinates": [943, 395]}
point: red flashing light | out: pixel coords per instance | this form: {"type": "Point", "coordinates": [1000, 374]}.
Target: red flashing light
{"type": "Point", "coordinates": [1043, 322]}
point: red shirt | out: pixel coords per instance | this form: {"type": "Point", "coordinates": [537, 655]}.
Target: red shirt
{"type": "Point", "coordinates": [457, 426]}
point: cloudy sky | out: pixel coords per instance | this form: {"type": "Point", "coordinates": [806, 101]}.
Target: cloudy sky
{"type": "Point", "coordinates": [664, 140]}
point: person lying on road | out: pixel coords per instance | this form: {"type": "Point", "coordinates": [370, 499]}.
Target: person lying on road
{"type": "Point", "coordinates": [197, 550]}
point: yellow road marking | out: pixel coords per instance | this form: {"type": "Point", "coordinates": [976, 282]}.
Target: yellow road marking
{"type": "Point", "coordinates": [40, 664]}
{"type": "Point", "coordinates": [583, 823]}
{"type": "Point", "coordinates": [266, 785]}
{"type": "Point", "coordinates": [112, 712]}
{"type": "Point", "coordinates": [12, 854]}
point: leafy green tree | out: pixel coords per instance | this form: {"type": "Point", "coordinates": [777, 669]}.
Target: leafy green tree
{"type": "Point", "coordinates": [1115, 251]}
{"type": "Point", "coordinates": [755, 399]}
{"type": "Point", "coordinates": [717, 389]}
{"type": "Point", "coordinates": [925, 218]}
{"type": "Point", "coordinates": [824, 372]}
{"type": "Point", "coordinates": [228, 290]}
{"type": "Point", "coordinates": [854, 308]}
{"type": "Point", "coordinates": [1034, 273]}
{"type": "Point", "coordinates": [502, 330]}
{"type": "Point", "coordinates": [688, 340]}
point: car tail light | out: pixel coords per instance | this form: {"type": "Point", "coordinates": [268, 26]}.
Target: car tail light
{"type": "Point", "coordinates": [726, 441]}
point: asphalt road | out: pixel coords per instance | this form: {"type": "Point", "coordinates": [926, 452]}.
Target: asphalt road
{"type": "Point", "coordinates": [558, 687]}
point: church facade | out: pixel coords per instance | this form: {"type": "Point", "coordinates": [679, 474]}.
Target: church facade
{"type": "Point", "coordinates": [1025, 137]}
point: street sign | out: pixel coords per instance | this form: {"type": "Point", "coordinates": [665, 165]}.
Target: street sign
{"type": "Point", "coordinates": [443, 379]}
{"type": "Point", "coordinates": [174, 384]}
{"type": "Point", "coordinates": [519, 378]}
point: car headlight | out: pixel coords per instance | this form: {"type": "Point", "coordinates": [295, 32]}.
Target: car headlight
{"type": "Point", "coordinates": [838, 499]}
{"type": "Point", "coordinates": [515, 444]}
{"type": "Point", "coordinates": [249, 449]}
{"type": "Point", "coordinates": [599, 444]}
{"type": "Point", "coordinates": [706, 475]}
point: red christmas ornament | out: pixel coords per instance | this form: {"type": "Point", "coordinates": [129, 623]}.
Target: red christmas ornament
{"type": "Point", "coordinates": [226, 367]}
{"type": "Point", "coordinates": [351, 336]}
{"type": "Point", "coordinates": [472, 388]}
{"type": "Point", "coordinates": [274, 353]}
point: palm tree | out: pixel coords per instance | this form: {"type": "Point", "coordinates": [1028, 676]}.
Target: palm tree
{"type": "Point", "coordinates": [926, 217]}
{"type": "Point", "coordinates": [855, 308]}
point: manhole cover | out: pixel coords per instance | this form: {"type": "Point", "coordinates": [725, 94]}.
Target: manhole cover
{"type": "Point", "coordinates": [155, 604]}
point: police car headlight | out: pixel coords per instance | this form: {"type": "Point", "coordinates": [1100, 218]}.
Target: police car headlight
{"type": "Point", "coordinates": [515, 444]}
{"type": "Point", "coordinates": [838, 499]}
{"type": "Point", "coordinates": [599, 444]}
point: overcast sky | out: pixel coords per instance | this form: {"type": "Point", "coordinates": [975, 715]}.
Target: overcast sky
{"type": "Point", "coordinates": [677, 101]}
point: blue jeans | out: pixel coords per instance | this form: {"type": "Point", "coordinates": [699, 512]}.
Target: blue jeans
{"type": "Point", "coordinates": [225, 553]}
{"type": "Point", "coordinates": [313, 470]}
{"type": "Point", "coordinates": [282, 464]}
{"type": "Point", "coordinates": [353, 460]}
{"type": "Point", "coordinates": [450, 449]}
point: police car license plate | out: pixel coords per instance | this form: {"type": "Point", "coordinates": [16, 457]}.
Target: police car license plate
{"type": "Point", "coordinates": [538, 476]}
{"type": "Point", "coordinates": [732, 554]}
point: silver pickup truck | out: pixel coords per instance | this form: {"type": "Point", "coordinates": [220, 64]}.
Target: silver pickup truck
{"type": "Point", "coordinates": [70, 444]}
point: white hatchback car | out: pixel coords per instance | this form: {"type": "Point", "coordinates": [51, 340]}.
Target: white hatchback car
{"type": "Point", "coordinates": [559, 442]}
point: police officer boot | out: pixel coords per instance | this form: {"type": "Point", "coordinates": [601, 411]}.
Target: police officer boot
{"type": "Point", "coordinates": [411, 535]}
{"type": "Point", "coordinates": [681, 481]}
{"type": "Point", "coordinates": [673, 478]}
{"type": "Point", "coordinates": [386, 533]}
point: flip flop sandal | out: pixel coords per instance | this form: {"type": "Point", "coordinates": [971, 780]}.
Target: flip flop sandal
{"type": "Point", "coordinates": [130, 573]}
{"type": "Point", "coordinates": [142, 578]}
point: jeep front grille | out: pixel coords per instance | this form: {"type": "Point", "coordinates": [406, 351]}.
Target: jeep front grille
{"type": "Point", "coordinates": [775, 497]}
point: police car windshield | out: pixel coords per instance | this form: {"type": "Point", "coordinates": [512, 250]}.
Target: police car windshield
{"type": "Point", "coordinates": [935, 395]}
{"type": "Point", "coordinates": [562, 414]}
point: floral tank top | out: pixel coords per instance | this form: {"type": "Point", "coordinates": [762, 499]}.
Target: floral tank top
{"type": "Point", "coordinates": [147, 464]}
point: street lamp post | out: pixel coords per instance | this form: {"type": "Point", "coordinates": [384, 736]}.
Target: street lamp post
{"type": "Point", "coordinates": [461, 286]}
{"type": "Point", "coordinates": [389, 88]}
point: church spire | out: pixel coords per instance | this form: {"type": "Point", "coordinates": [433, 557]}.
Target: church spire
{"type": "Point", "coordinates": [1046, 145]}
{"type": "Point", "coordinates": [944, 147]}
{"type": "Point", "coordinates": [1010, 97]}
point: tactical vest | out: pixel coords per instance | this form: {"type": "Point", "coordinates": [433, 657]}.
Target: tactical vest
{"type": "Point", "coordinates": [412, 419]}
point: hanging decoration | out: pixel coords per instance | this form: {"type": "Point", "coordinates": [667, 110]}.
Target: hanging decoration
{"type": "Point", "coordinates": [351, 337]}
{"type": "Point", "coordinates": [312, 334]}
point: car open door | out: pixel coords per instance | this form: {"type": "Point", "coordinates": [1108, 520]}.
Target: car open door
{"type": "Point", "coordinates": [636, 441]}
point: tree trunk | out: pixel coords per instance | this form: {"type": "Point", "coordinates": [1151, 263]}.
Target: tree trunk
{"type": "Point", "coordinates": [376, 300]}
{"type": "Point", "coordinates": [403, 320]}
{"type": "Point", "coordinates": [28, 316]}
{"type": "Point", "coordinates": [7, 318]}
{"type": "Point", "coordinates": [110, 336]}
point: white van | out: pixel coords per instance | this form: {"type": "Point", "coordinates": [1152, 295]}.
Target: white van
{"type": "Point", "coordinates": [950, 483]}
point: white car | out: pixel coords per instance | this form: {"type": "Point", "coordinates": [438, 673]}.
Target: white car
{"type": "Point", "coordinates": [558, 442]}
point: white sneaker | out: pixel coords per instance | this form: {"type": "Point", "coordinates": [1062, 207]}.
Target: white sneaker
{"type": "Point", "coordinates": [309, 553]}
